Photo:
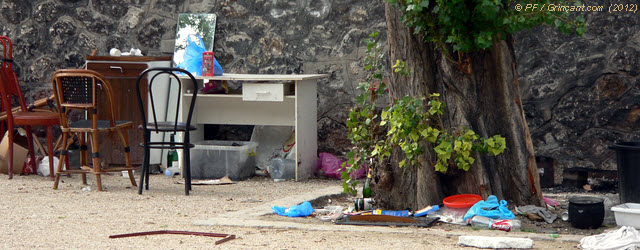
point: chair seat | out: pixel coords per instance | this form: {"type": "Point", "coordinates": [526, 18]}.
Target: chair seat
{"type": "Point", "coordinates": [100, 124]}
{"type": "Point", "coordinates": [168, 126]}
{"type": "Point", "coordinates": [36, 118]}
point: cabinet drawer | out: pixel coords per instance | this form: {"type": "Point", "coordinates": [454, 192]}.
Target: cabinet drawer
{"type": "Point", "coordinates": [111, 70]}
{"type": "Point", "coordinates": [269, 92]}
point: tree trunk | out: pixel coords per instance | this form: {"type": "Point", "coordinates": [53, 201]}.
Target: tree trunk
{"type": "Point", "coordinates": [486, 100]}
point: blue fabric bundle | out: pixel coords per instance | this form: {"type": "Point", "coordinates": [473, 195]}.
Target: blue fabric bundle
{"type": "Point", "coordinates": [490, 208]}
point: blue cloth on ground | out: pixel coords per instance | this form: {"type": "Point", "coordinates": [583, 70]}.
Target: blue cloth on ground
{"type": "Point", "coordinates": [302, 210]}
{"type": "Point", "coordinates": [490, 208]}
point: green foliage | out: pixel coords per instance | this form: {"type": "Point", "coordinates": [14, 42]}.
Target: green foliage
{"type": "Point", "coordinates": [362, 124]}
{"type": "Point", "coordinates": [473, 25]}
{"type": "Point", "coordinates": [409, 125]}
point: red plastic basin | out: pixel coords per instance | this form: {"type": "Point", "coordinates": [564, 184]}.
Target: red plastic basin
{"type": "Point", "coordinates": [461, 200]}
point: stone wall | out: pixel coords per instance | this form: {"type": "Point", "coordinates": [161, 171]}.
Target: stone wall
{"type": "Point", "coordinates": [252, 36]}
{"type": "Point", "coordinates": [581, 94]}
{"type": "Point", "coordinates": [578, 92]}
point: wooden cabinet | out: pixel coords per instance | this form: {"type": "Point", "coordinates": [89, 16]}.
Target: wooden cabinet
{"type": "Point", "coordinates": [122, 73]}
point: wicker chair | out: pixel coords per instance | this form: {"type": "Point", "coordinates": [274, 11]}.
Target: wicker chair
{"type": "Point", "coordinates": [22, 115]}
{"type": "Point", "coordinates": [76, 89]}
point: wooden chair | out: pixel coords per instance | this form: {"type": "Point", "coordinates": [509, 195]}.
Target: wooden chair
{"type": "Point", "coordinates": [77, 89]}
{"type": "Point", "coordinates": [159, 126]}
{"type": "Point", "coordinates": [21, 116]}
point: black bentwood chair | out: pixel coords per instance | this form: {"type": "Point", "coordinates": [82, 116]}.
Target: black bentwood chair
{"type": "Point", "coordinates": [166, 126]}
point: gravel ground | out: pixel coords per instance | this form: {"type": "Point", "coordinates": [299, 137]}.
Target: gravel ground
{"type": "Point", "coordinates": [35, 216]}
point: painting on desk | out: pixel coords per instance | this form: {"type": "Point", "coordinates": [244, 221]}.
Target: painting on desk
{"type": "Point", "coordinates": [203, 25]}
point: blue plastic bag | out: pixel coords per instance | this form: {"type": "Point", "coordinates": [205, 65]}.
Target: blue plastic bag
{"type": "Point", "coordinates": [193, 56]}
{"type": "Point", "coordinates": [490, 208]}
{"type": "Point", "coordinates": [302, 210]}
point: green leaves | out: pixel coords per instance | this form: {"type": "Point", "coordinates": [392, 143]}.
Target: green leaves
{"type": "Point", "coordinates": [400, 68]}
{"type": "Point", "coordinates": [473, 25]}
{"type": "Point", "coordinates": [436, 107]}
{"type": "Point", "coordinates": [496, 145]}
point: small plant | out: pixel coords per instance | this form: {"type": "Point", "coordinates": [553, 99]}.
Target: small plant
{"type": "Point", "coordinates": [409, 125]}
{"type": "Point", "coordinates": [363, 123]}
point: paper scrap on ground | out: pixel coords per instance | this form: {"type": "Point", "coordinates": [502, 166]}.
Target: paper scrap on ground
{"type": "Point", "coordinates": [329, 213]}
{"type": "Point", "coordinates": [495, 242]}
{"type": "Point", "coordinates": [222, 181]}
{"type": "Point", "coordinates": [623, 238]}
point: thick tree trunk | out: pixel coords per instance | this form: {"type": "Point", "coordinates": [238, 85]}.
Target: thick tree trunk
{"type": "Point", "coordinates": [487, 100]}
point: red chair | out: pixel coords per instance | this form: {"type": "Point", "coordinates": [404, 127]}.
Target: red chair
{"type": "Point", "coordinates": [21, 116]}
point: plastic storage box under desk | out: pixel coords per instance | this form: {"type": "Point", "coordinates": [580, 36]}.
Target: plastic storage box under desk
{"type": "Point", "coordinates": [217, 159]}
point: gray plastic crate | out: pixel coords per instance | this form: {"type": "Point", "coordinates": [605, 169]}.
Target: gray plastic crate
{"type": "Point", "coordinates": [217, 159]}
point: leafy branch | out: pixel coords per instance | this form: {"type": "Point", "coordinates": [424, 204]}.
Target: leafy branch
{"type": "Point", "coordinates": [459, 27]}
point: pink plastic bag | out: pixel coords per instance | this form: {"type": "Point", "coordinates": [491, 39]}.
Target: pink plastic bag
{"type": "Point", "coordinates": [331, 167]}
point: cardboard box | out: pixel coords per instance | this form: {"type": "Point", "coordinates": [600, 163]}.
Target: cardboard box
{"type": "Point", "coordinates": [19, 155]}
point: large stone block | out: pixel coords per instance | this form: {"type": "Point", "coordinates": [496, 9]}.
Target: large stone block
{"type": "Point", "coordinates": [150, 34]}
{"type": "Point", "coordinates": [112, 8]}
{"type": "Point", "coordinates": [63, 32]}
{"type": "Point", "coordinates": [48, 12]}
{"type": "Point", "coordinates": [16, 11]}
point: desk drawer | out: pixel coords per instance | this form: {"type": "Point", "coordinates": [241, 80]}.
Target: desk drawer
{"type": "Point", "coordinates": [111, 70]}
{"type": "Point", "coordinates": [269, 92]}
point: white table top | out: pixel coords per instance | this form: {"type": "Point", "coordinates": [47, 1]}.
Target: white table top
{"type": "Point", "coordinates": [260, 77]}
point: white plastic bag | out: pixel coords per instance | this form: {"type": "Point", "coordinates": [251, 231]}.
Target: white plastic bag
{"type": "Point", "coordinates": [43, 168]}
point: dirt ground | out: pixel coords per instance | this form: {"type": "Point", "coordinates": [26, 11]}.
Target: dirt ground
{"type": "Point", "coordinates": [36, 216]}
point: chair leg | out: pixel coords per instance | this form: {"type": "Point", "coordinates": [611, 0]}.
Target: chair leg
{"type": "Point", "coordinates": [146, 174]}
{"type": "Point", "coordinates": [96, 160]}
{"type": "Point", "coordinates": [187, 167]}
{"type": "Point", "coordinates": [50, 149]}
{"type": "Point", "coordinates": [124, 136]}
{"type": "Point", "coordinates": [145, 169]}
{"type": "Point", "coordinates": [10, 134]}
{"type": "Point", "coordinates": [32, 153]}
{"type": "Point", "coordinates": [63, 155]}
{"type": "Point", "coordinates": [83, 154]}
{"type": "Point", "coordinates": [58, 146]}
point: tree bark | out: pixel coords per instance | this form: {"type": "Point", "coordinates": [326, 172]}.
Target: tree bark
{"type": "Point", "coordinates": [486, 100]}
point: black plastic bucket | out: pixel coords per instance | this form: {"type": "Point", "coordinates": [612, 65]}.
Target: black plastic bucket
{"type": "Point", "coordinates": [628, 155]}
{"type": "Point", "coordinates": [586, 211]}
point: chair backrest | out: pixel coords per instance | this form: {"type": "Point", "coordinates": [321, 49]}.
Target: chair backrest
{"type": "Point", "coordinates": [77, 89]}
{"type": "Point", "coordinates": [171, 72]}
{"type": "Point", "coordinates": [9, 85]}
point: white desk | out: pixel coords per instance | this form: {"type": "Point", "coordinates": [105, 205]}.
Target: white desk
{"type": "Point", "coordinates": [263, 102]}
